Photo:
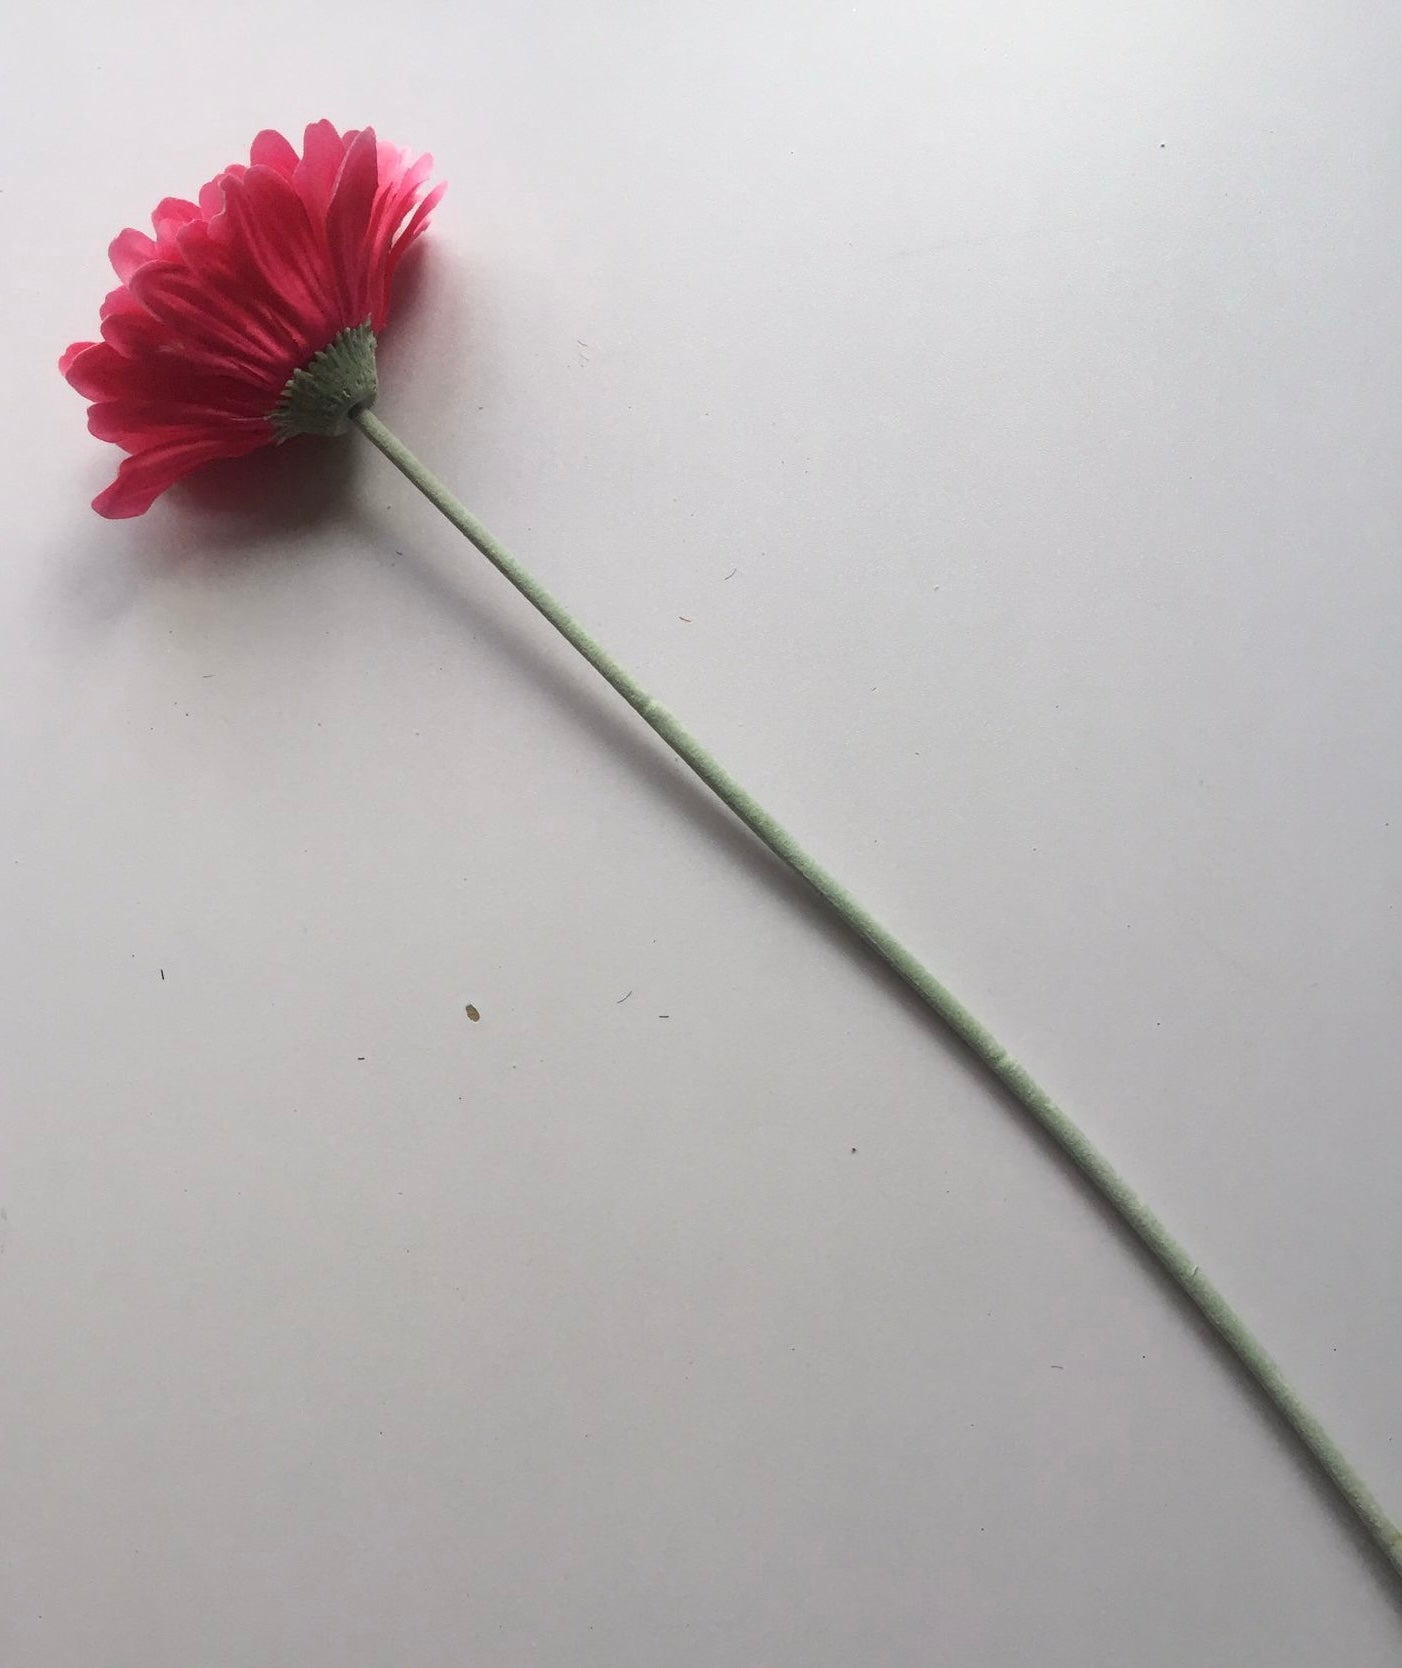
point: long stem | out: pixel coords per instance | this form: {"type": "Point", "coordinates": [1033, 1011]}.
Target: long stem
{"type": "Point", "coordinates": [1038, 1104]}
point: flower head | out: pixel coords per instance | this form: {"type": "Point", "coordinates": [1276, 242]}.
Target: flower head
{"type": "Point", "coordinates": [251, 314]}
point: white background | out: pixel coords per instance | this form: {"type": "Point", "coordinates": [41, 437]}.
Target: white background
{"type": "Point", "coordinates": [1036, 372]}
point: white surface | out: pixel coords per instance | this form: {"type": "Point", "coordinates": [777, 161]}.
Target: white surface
{"type": "Point", "coordinates": [1037, 372]}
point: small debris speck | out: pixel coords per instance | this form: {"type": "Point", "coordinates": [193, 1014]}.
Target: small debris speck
{"type": "Point", "coordinates": [163, 974]}
{"type": "Point", "coordinates": [622, 999]}
{"type": "Point", "coordinates": [731, 574]}
{"type": "Point", "coordinates": [1056, 1367]}
{"type": "Point", "coordinates": [684, 618]}
{"type": "Point", "coordinates": [854, 1149]}
{"type": "Point", "coordinates": [664, 1016]}
{"type": "Point", "coordinates": [472, 1013]}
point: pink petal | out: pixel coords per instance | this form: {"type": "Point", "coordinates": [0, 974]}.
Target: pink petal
{"type": "Point", "coordinates": [270, 227]}
{"type": "Point", "coordinates": [210, 315]}
{"type": "Point", "coordinates": [399, 191]}
{"type": "Point", "coordinates": [270, 150]}
{"type": "Point", "coordinates": [146, 475]}
{"type": "Point", "coordinates": [322, 154]}
{"type": "Point", "coordinates": [99, 372]}
{"type": "Point", "coordinates": [212, 194]}
{"type": "Point", "coordinates": [419, 220]}
{"type": "Point", "coordinates": [70, 357]}
{"type": "Point", "coordinates": [96, 370]}
{"type": "Point", "coordinates": [391, 162]}
{"type": "Point", "coordinates": [238, 295]}
{"type": "Point", "coordinates": [171, 214]}
{"type": "Point", "coordinates": [415, 227]}
{"type": "Point", "coordinates": [120, 300]}
{"type": "Point", "coordinates": [137, 424]}
{"type": "Point", "coordinates": [144, 342]}
{"type": "Point", "coordinates": [347, 224]}
{"type": "Point", "coordinates": [129, 250]}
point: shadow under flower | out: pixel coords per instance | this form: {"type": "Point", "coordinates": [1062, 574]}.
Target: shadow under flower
{"type": "Point", "coordinates": [242, 503]}
{"type": "Point", "coordinates": [246, 509]}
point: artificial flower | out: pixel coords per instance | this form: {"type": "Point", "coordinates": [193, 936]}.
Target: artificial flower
{"type": "Point", "coordinates": [250, 314]}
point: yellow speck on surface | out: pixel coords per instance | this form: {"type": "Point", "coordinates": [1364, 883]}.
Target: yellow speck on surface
{"type": "Point", "coordinates": [472, 1013]}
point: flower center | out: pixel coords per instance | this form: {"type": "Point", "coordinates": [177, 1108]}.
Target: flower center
{"type": "Point", "coordinates": [320, 397]}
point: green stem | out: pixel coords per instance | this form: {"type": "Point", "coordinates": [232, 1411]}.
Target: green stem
{"type": "Point", "coordinates": [1034, 1100]}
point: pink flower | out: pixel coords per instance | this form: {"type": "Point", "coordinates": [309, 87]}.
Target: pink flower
{"type": "Point", "coordinates": [250, 315]}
